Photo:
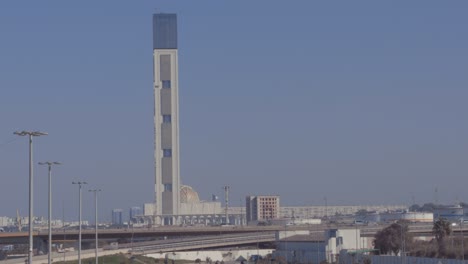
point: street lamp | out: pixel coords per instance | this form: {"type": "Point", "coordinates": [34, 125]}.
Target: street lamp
{"type": "Point", "coordinates": [96, 220]}
{"type": "Point", "coordinates": [31, 134]}
{"type": "Point", "coordinates": [79, 221]}
{"type": "Point", "coordinates": [49, 164]}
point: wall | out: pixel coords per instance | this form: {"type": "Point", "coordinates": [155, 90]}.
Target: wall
{"type": "Point", "coordinates": [349, 259]}
{"type": "Point", "coordinates": [228, 255]}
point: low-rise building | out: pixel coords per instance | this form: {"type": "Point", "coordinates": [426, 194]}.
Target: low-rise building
{"type": "Point", "coordinates": [317, 247]}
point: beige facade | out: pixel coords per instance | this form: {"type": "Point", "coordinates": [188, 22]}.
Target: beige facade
{"type": "Point", "coordinates": [319, 211]}
{"type": "Point", "coordinates": [265, 207]}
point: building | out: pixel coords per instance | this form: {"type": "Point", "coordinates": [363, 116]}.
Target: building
{"type": "Point", "coordinates": [6, 221]}
{"type": "Point", "coordinates": [117, 217]}
{"type": "Point", "coordinates": [262, 208]}
{"type": "Point", "coordinates": [332, 211]}
{"type": "Point", "coordinates": [166, 118]}
{"type": "Point", "coordinates": [135, 211]}
{"type": "Point", "coordinates": [452, 214]}
{"type": "Point", "coordinates": [297, 247]}
{"type": "Point", "coordinates": [393, 216]}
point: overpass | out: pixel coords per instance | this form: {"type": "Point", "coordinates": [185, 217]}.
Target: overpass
{"type": "Point", "coordinates": [179, 232]}
{"type": "Point", "coordinates": [207, 242]}
{"type": "Point", "coordinates": [161, 236]}
{"type": "Point", "coordinates": [129, 233]}
{"type": "Point", "coordinates": [161, 246]}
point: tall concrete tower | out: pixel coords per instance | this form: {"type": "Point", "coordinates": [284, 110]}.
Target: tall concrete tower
{"type": "Point", "coordinates": [166, 118]}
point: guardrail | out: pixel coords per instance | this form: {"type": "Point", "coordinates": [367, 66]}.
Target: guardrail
{"type": "Point", "coordinates": [199, 243]}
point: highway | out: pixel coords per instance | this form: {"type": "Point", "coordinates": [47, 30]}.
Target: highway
{"type": "Point", "coordinates": [161, 246]}
{"type": "Point", "coordinates": [202, 243]}
{"type": "Point", "coordinates": [162, 232]}
{"type": "Point", "coordinates": [168, 239]}
{"type": "Point", "coordinates": [158, 232]}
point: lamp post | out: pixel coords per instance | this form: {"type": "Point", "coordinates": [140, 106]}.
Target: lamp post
{"type": "Point", "coordinates": [49, 164]}
{"type": "Point", "coordinates": [79, 221]}
{"type": "Point", "coordinates": [31, 134]}
{"type": "Point", "coordinates": [95, 191]}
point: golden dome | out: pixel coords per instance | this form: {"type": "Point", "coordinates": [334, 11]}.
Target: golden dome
{"type": "Point", "coordinates": [188, 195]}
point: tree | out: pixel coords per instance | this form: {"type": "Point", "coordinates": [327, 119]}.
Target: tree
{"type": "Point", "coordinates": [441, 230]}
{"type": "Point", "coordinates": [428, 207]}
{"type": "Point", "coordinates": [391, 238]}
{"type": "Point", "coordinates": [362, 212]}
{"type": "Point", "coordinates": [415, 208]}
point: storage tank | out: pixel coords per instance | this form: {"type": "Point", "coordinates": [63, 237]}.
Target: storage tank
{"type": "Point", "coordinates": [419, 217]}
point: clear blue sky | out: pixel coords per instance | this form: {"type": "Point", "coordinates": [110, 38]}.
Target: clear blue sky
{"type": "Point", "coordinates": [363, 102]}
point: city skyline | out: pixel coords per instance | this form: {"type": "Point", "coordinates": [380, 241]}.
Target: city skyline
{"type": "Point", "coordinates": [304, 101]}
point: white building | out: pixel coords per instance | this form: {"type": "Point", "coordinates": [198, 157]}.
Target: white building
{"type": "Point", "coordinates": [450, 213]}
{"type": "Point", "coordinates": [6, 221]}
{"type": "Point", "coordinates": [318, 247]}
{"type": "Point", "coordinates": [319, 211]}
{"type": "Point", "coordinates": [389, 217]}
{"type": "Point", "coordinates": [193, 211]}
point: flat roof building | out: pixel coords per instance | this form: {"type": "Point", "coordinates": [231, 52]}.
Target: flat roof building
{"type": "Point", "coordinates": [262, 207]}
{"type": "Point", "coordinates": [117, 217]}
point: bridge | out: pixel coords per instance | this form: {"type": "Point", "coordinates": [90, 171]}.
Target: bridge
{"type": "Point", "coordinates": [164, 232]}
{"type": "Point", "coordinates": [168, 239]}
{"type": "Point", "coordinates": [161, 246]}
{"type": "Point", "coordinates": [179, 232]}
{"type": "Point", "coordinates": [134, 233]}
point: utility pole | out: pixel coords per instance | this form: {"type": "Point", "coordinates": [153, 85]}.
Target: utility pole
{"type": "Point", "coordinates": [30, 134]}
{"type": "Point", "coordinates": [49, 165]}
{"type": "Point", "coordinates": [95, 191]}
{"type": "Point", "coordinates": [79, 221]}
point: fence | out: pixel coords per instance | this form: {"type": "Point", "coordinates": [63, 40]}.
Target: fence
{"type": "Point", "coordinates": [368, 259]}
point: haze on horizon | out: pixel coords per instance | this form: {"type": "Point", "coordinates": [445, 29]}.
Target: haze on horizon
{"type": "Point", "coordinates": [361, 102]}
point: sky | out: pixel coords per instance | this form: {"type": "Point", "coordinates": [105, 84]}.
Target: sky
{"type": "Point", "coordinates": [361, 102]}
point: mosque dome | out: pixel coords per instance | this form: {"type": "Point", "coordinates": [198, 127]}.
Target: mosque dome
{"type": "Point", "coordinates": [188, 195]}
